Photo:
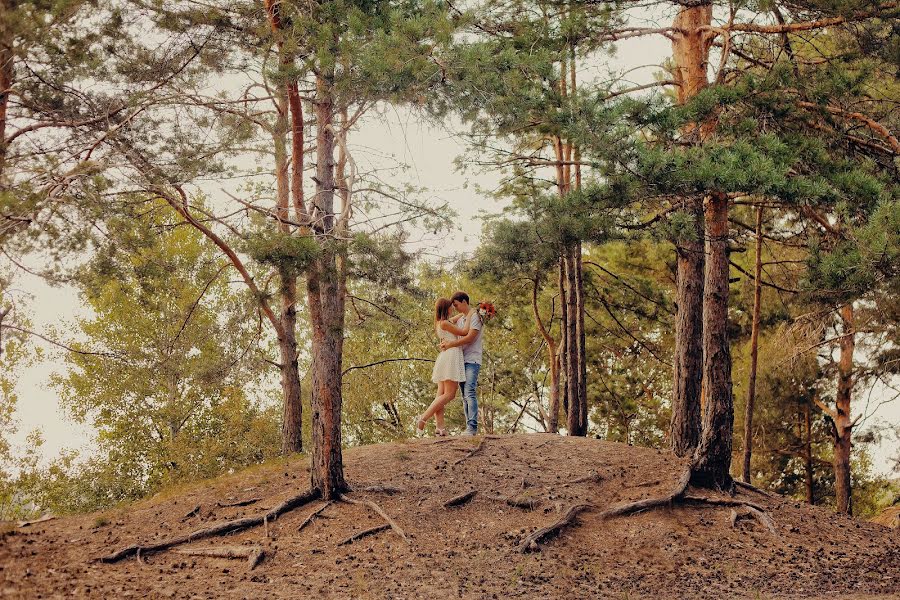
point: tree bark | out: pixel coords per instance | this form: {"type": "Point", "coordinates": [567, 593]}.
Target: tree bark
{"type": "Point", "coordinates": [552, 356]}
{"type": "Point", "coordinates": [562, 352]}
{"type": "Point", "coordinates": [690, 50]}
{"type": "Point", "coordinates": [712, 459]}
{"type": "Point", "coordinates": [684, 429]}
{"type": "Point", "coordinates": [326, 294]}
{"type": "Point", "coordinates": [576, 418]}
{"type": "Point", "coordinates": [7, 71]}
{"type": "Point", "coordinates": [581, 353]}
{"type": "Point", "coordinates": [754, 349]}
{"type": "Point", "coordinates": [292, 413]}
{"type": "Point", "coordinates": [842, 426]}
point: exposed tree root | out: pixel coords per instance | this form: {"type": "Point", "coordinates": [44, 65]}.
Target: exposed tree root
{"type": "Point", "coordinates": [397, 529]}
{"type": "Point", "coordinates": [721, 502]}
{"type": "Point", "coordinates": [594, 476]}
{"type": "Point", "coordinates": [475, 450]}
{"type": "Point", "coordinates": [752, 488]}
{"type": "Point", "coordinates": [216, 530]}
{"type": "Point", "coordinates": [650, 483]}
{"type": "Point", "coordinates": [380, 489]}
{"type": "Point", "coordinates": [461, 499]}
{"type": "Point", "coordinates": [364, 533]}
{"type": "Point", "coordinates": [195, 511]}
{"type": "Point", "coordinates": [531, 543]}
{"type": "Point", "coordinates": [759, 515]}
{"type": "Point", "coordinates": [253, 554]}
{"type": "Point", "coordinates": [641, 505]}
{"type": "Point", "coordinates": [313, 515]}
{"type": "Point", "coordinates": [525, 502]}
{"type": "Point", "coordinates": [238, 503]}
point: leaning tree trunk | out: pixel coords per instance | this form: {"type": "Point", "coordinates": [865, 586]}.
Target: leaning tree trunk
{"type": "Point", "coordinates": [842, 428]}
{"type": "Point", "coordinates": [712, 460]}
{"type": "Point", "coordinates": [754, 350]}
{"type": "Point", "coordinates": [690, 50]}
{"type": "Point", "coordinates": [325, 292]}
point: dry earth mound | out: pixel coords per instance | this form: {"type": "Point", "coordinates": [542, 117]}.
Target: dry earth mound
{"type": "Point", "coordinates": [523, 516]}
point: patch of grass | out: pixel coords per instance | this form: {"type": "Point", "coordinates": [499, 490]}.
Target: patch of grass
{"type": "Point", "coordinates": [100, 521]}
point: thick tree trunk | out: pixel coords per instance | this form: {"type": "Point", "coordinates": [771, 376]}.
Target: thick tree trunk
{"type": "Point", "coordinates": [712, 459]}
{"type": "Point", "coordinates": [326, 293]}
{"type": "Point", "coordinates": [843, 427]}
{"type": "Point", "coordinates": [684, 430]}
{"type": "Point", "coordinates": [690, 50]}
{"type": "Point", "coordinates": [754, 350]}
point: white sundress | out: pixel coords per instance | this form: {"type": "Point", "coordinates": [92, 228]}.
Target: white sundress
{"type": "Point", "coordinates": [449, 364]}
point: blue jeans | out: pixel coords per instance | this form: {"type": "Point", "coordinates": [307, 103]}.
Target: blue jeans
{"type": "Point", "coordinates": [470, 400]}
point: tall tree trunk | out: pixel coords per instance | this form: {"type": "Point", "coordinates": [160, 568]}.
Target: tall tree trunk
{"type": "Point", "coordinates": [576, 418]}
{"type": "Point", "coordinates": [684, 429]}
{"type": "Point", "coordinates": [6, 82]}
{"type": "Point", "coordinates": [580, 352]}
{"type": "Point", "coordinates": [842, 426]}
{"type": "Point", "coordinates": [326, 295]}
{"type": "Point", "coordinates": [807, 452]}
{"type": "Point", "coordinates": [754, 349]}
{"type": "Point", "coordinates": [712, 459]}
{"type": "Point", "coordinates": [562, 351]}
{"type": "Point", "coordinates": [552, 357]}
{"type": "Point", "coordinates": [690, 50]}
{"type": "Point", "coordinates": [292, 413]}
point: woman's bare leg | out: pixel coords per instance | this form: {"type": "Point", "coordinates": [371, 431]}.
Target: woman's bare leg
{"type": "Point", "coordinates": [448, 395]}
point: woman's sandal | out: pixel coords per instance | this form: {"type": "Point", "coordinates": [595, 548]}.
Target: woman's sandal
{"type": "Point", "coordinates": [440, 432]}
{"type": "Point", "coordinates": [419, 425]}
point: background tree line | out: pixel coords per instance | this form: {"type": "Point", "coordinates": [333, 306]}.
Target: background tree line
{"type": "Point", "coordinates": [705, 263]}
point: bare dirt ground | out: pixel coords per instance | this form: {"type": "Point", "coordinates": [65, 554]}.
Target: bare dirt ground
{"type": "Point", "coordinates": [687, 550]}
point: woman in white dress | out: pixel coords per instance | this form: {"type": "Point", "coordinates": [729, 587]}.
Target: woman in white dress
{"type": "Point", "coordinates": [449, 369]}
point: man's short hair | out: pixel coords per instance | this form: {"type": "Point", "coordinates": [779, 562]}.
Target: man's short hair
{"type": "Point", "coordinates": [460, 297]}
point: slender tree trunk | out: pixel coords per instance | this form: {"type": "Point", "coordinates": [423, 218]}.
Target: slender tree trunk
{"type": "Point", "coordinates": [6, 83]}
{"type": "Point", "coordinates": [807, 453]}
{"type": "Point", "coordinates": [690, 50]}
{"type": "Point", "coordinates": [552, 357]}
{"type": "Point", "coordinates": [712, 460]}
{"type": "Point", "coordinates": [326, 295]}
{"type": "Point", "coordinates": [581, 372]}
{"type": "Point", "coordinates": [292, 413]}
{"type": "Point", "coordinates": [754, 349]}
{"type": "Point", "coordinates": [562, 351]}
{"type": "Point", "coordinates": [843, 427]}
{"type": "Point", "coordinates": [684, 430]}
{"type": "Point", "coordinates": [576, 418]}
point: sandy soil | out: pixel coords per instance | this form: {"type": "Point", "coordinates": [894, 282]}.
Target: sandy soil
{"type": "Point", "coordinates": [471, 551]}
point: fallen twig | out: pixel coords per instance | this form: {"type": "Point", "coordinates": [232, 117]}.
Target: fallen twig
{"type": "Point", "coordinates": [397, 529]}
{"type": "Point", "coordinates": [525, 502]}
{"type": "Point", "coordinates": [253, 554]}
{"type": "Point", "coordinates": [475, 450]}
{"type": "Point", "coordinates": [216, 530]}
{"type": "Point", "coordinates": [531, 542]}
{"type": "Point", "coordinates": [461, 499]}
{"type": "Point", "coordinates": [313, 515]}
{"type": "Point", "coordinates": [42, 519]}
{"type": "Point", "coordinates": [194, 512]}
{"type": "Point", "coordinates": [593, 476]}
{"type": "Point", "coordinates": [364, 533]}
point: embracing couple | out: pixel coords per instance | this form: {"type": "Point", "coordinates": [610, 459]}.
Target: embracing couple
{"type": "Point", "coordinates": [457, 364]}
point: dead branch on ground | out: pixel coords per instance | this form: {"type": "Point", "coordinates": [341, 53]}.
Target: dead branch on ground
{"type": "Point", "coordinates": [238, 503]}
{"type": "Point", "coordinates": [531, 543]}
{"type": "Point", "coordinates": [397, 529]}
{"type": "Point", "coordinates": [313, 515]}
{"type": "Point", "coordinates": [253, 554]}
{"type": "Point", "coordinates": [460, 500]}
{"type": "Point", "coordinates": [364, 533]}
